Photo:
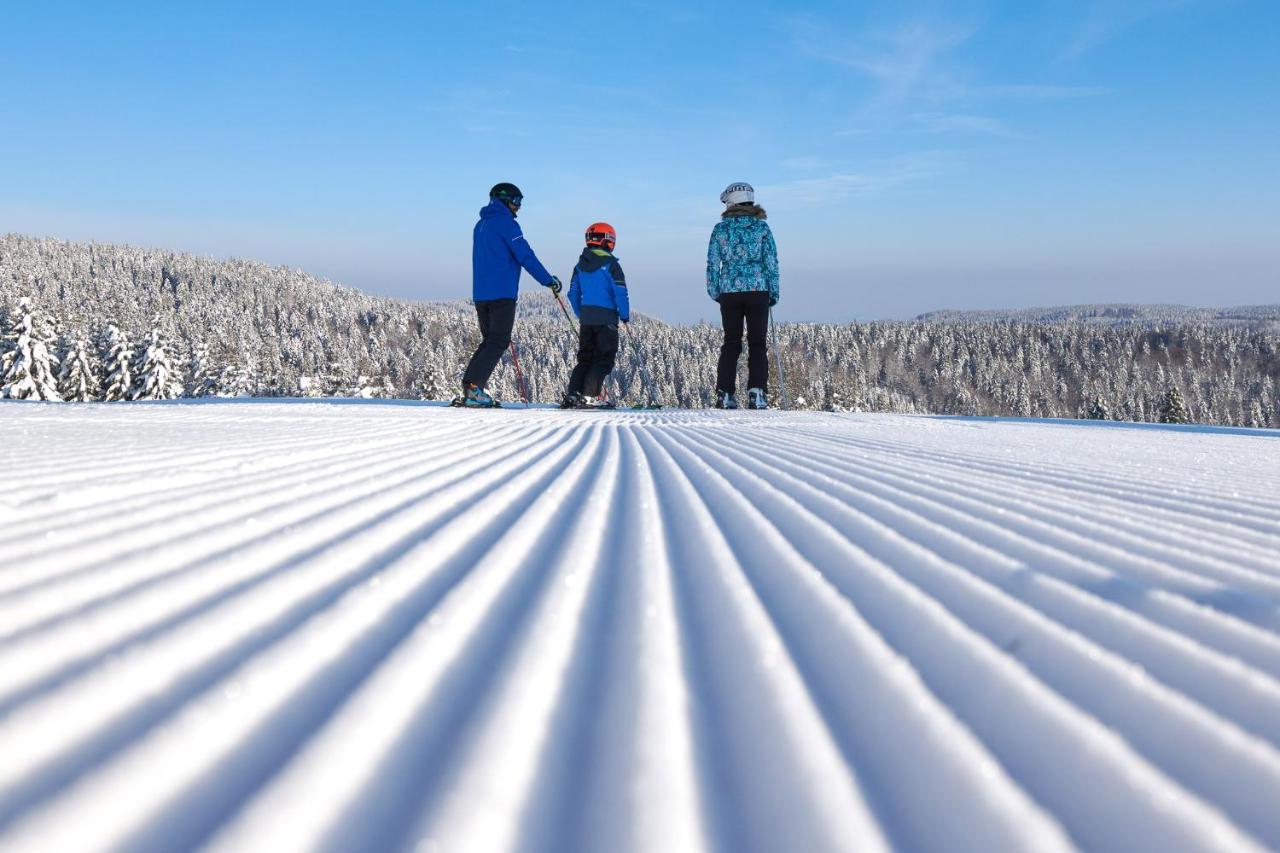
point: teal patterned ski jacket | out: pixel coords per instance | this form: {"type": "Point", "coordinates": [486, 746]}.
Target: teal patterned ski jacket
{"type": "Point", "coordinates": [742, 256]}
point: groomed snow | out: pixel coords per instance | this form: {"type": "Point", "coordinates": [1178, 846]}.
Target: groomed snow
{"type": "Point", "coordinates": [380, 626]}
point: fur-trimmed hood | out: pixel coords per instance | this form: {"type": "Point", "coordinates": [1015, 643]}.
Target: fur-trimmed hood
{"type": "Point", "coordinates": [745, 209]}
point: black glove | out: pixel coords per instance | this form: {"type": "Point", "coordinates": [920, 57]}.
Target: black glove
{"type": "Point", "coordinates": [554, 286]}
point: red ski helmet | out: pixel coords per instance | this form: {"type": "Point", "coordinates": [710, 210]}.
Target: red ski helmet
{"type": "Point", "coordinates": [602, 234]}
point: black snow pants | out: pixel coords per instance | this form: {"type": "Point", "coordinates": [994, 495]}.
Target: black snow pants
{"type": "Point", "coordinates": [597, 350]}
{"type": "Point", "coordinates": [497, 317]}
{"type": "Point", "coordinates": [753, 307]}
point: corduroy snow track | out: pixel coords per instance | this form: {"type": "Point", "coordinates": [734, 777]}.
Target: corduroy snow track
{"type": "Point", "coordinates": [260, 625]}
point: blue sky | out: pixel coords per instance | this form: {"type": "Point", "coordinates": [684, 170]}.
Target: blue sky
{"type": "Point", "coordinates": [912, 156]}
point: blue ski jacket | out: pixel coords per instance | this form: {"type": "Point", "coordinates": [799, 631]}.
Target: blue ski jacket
{"type": "Point", "coordinates": [498, 251]}
{"type": "Point", "coordinates": [742, 256]}
{"type": "Point", "coordinates": [598, 289]}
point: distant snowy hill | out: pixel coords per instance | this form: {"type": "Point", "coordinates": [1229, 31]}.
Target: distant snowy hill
{"type": "Point", "coordinates": [388, 625]}
{"type": "Point", "coordinates": [1247, 316]}
{"type": "Point", "coordinates": [239, 328]}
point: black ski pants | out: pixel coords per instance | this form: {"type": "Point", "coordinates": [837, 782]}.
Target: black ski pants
{"type": "Point", "coordinates": [497, 318]}
{"type": "Point", "coordinates": [597, 350]}
{"type": "Point", "coordinates": [753, 308]}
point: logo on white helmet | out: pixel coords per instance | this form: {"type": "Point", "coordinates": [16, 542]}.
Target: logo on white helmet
{"type": "Point", "coordinates": [738, 193]}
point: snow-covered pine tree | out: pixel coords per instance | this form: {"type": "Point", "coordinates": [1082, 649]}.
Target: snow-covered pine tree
{"type": "Point", "coordinates": [234, 381]}
{"type": "Point", "coordinates": [200, 373]}
{"type": "Point", "coordinates": [1257, 416]}
{"type": "Point", "coordinates": [1098, 410]}
{"type": "Point", "coordinates": [79, 380]}
{"type": "Point", "coordinates": [157, 377]}
{"type": "Point", "coordinates": [118, 364]}
{"type": "Point", "coordinates": [26, 367]}
{"type": "Point", "coordinates": [338, 379]}
{"type": "Point", "coordinates": [363, 387]}
{"type": "Point", "coordinates": [430, 385]}
{"type": "Point", "coordinates": [251, 381]}
{"type": "Point", "coordinates": [1172, 408]}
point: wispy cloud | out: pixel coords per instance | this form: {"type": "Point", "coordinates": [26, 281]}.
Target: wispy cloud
{"type": "Point", "coordinates": [841, 186]}
{"type": "Point", "coordinates": [901, 59]}
{"type": "Point", "coordinates": [942, 123]}
{"type": "Point", "coordinates": [917, 63]}
{"type": "Point", "coordinates": [1103, 20]}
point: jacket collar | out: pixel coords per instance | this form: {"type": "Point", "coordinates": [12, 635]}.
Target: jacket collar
{"type": "Point", "coordinates": [593, 258]}
{"type": "Point", "coordinates": [495, 207]}
{"type": "Point", "coordinates": [745, 209]}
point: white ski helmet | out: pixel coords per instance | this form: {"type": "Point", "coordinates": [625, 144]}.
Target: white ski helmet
{"type": "Point", "coordinates": [738, 193]}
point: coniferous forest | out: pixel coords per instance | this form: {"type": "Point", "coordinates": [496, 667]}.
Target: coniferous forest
{"type": "Point", "coordinates": [87, 322]}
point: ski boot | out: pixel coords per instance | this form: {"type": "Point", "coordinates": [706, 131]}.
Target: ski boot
{"type": "Point", "coordinates": [757, 399]}
{"type": "Point", "coordinates": [570, 401]}
{"type": "Point", "coordinates": [585, 402]}
{"type": "Point", "coordinates": [475, 397]}
{"type": "Point", "coordinates": [725, 400]}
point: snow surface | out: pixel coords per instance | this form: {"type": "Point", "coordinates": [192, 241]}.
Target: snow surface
{"type": "Point", "coordinates": [308, 625]}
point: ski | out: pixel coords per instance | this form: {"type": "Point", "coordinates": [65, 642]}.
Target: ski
{"type": "Point", "coordinates": [460, 402]}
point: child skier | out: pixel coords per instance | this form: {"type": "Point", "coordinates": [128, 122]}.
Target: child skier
{"type": "Point", "coordinates": [598, 293]}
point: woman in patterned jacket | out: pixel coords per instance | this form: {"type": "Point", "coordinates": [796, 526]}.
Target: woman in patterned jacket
{"type": "Point", "coordinates": [742, 275]}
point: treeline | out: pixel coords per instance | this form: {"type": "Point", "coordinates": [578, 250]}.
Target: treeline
{"type": "Point", "coordinates": [121, 323]}
{"type": "Point", "coordinates": [1216, 374]}
{"type": "Point", "coordinates": [1258, 317]}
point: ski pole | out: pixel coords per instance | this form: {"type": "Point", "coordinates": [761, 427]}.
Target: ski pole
{"type": "Point", "coordinates": [782, 376]}
{"type": "Point", "coordinates": [617, 383]}
{"type": "Point", "coordinates": [567, 318]}
{"type": "Point", "coordinates": [622, 335]}
{"type": "Point", "coordinates": [604, 393]}
{"type": "Point", "coordinates": [515, 362]}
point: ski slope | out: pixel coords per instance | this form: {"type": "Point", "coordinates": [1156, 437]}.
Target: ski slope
{"type": "Point", "coordinates": [379, 626]}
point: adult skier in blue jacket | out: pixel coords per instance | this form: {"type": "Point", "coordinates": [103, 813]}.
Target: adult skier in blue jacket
{"type": "Point", "coordinates": [498, 251]}
{"type": "Point", "coordinates": [598, 294]}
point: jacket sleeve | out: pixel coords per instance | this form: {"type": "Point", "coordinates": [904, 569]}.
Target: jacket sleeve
{"type": "Point", "coordinates": [713, 265]}
{"type": "Point", "coordinates": [523, 252]}
{"type": "Point", "coordinates": [620, 296]}
{"type": "Point", "coordinates": [771, 276]}
{"type": "Point", "coordinates": [575, 294]}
